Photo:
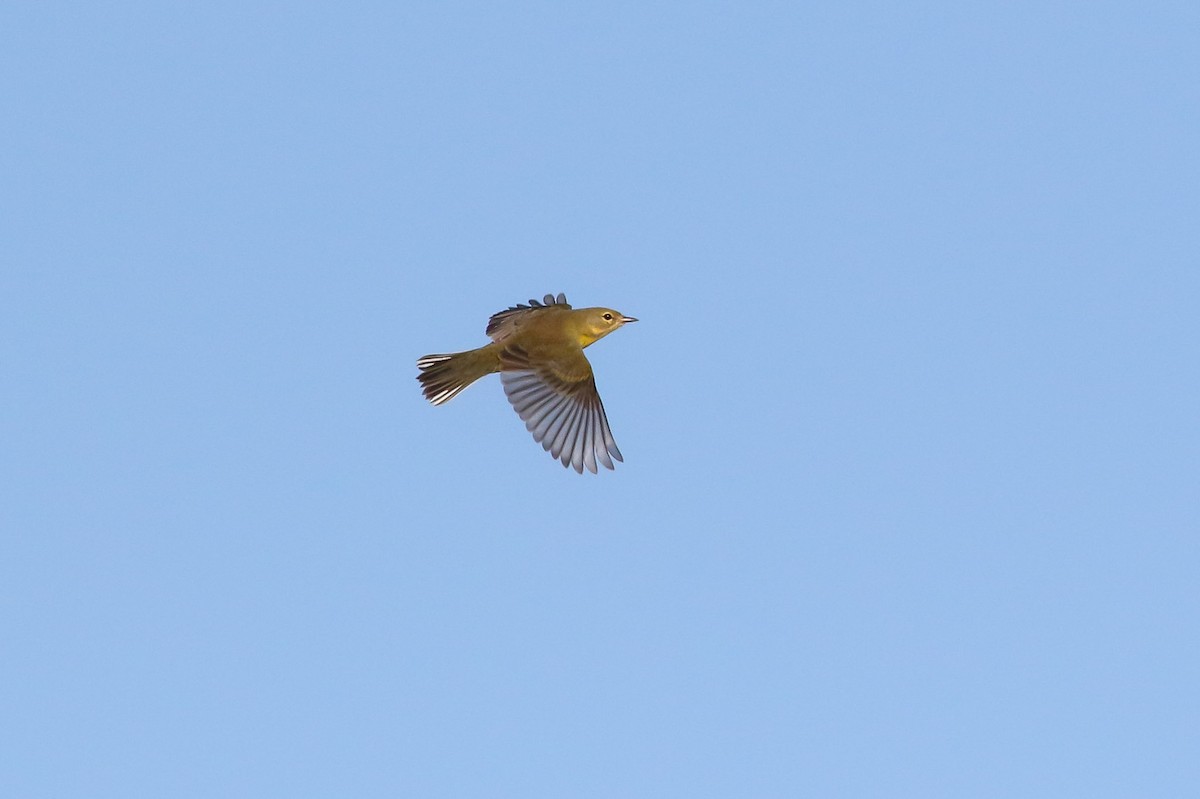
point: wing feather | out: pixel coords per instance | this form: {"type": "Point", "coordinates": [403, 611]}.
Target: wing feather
{"type": "Point", "coordinates": [559, 448]}
{"type": "Point", "coordinates": [502, 325]}
{"type": "Point", "coordinates": [565, 416]}
{"type": "Point", "coordinates": [589, 442]}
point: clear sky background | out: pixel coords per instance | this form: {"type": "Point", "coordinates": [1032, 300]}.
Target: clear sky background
{"type": "Point", "coordinates": [910, 500]}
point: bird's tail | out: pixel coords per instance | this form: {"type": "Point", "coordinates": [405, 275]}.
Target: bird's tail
{"type": "Point", "coordinates": [443, 376]}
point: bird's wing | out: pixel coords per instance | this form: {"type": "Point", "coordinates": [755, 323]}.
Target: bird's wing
{"type": "Point", "coordinates": [502, 324]}
{"type": "Point", "coordinates": [560, 405]}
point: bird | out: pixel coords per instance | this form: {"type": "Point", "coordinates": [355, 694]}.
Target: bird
{"type": "Point", "coordinates": [538, 351]}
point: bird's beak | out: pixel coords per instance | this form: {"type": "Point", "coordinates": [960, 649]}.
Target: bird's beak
{"type": "Point", "coordinates": [627, 319]}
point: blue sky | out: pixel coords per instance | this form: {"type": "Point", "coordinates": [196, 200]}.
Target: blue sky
{"type": "Point", "coordinates": [909, 501]}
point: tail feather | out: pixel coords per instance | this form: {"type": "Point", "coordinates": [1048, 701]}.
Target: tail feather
{"type": "Point", "coordinates": [444, 376]}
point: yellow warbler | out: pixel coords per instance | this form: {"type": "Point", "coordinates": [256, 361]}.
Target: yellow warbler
{"type": "Point", "coordinates": [538, 351]}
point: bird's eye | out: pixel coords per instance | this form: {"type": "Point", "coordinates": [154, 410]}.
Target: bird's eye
{"type": "Point", "coordinates": [608, 317]}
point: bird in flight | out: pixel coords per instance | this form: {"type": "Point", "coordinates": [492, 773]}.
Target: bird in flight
{"type": "Point", "coordinates": [538, 351]}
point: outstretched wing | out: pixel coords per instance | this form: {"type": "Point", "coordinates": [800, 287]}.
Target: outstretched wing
{"type": "Point", "coordinates": [502, 324]}
{"type": "Point", "coordinates": [560, 405]}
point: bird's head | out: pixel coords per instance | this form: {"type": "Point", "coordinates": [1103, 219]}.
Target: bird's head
{"type": "Point", "coordinates": [596, 323]}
